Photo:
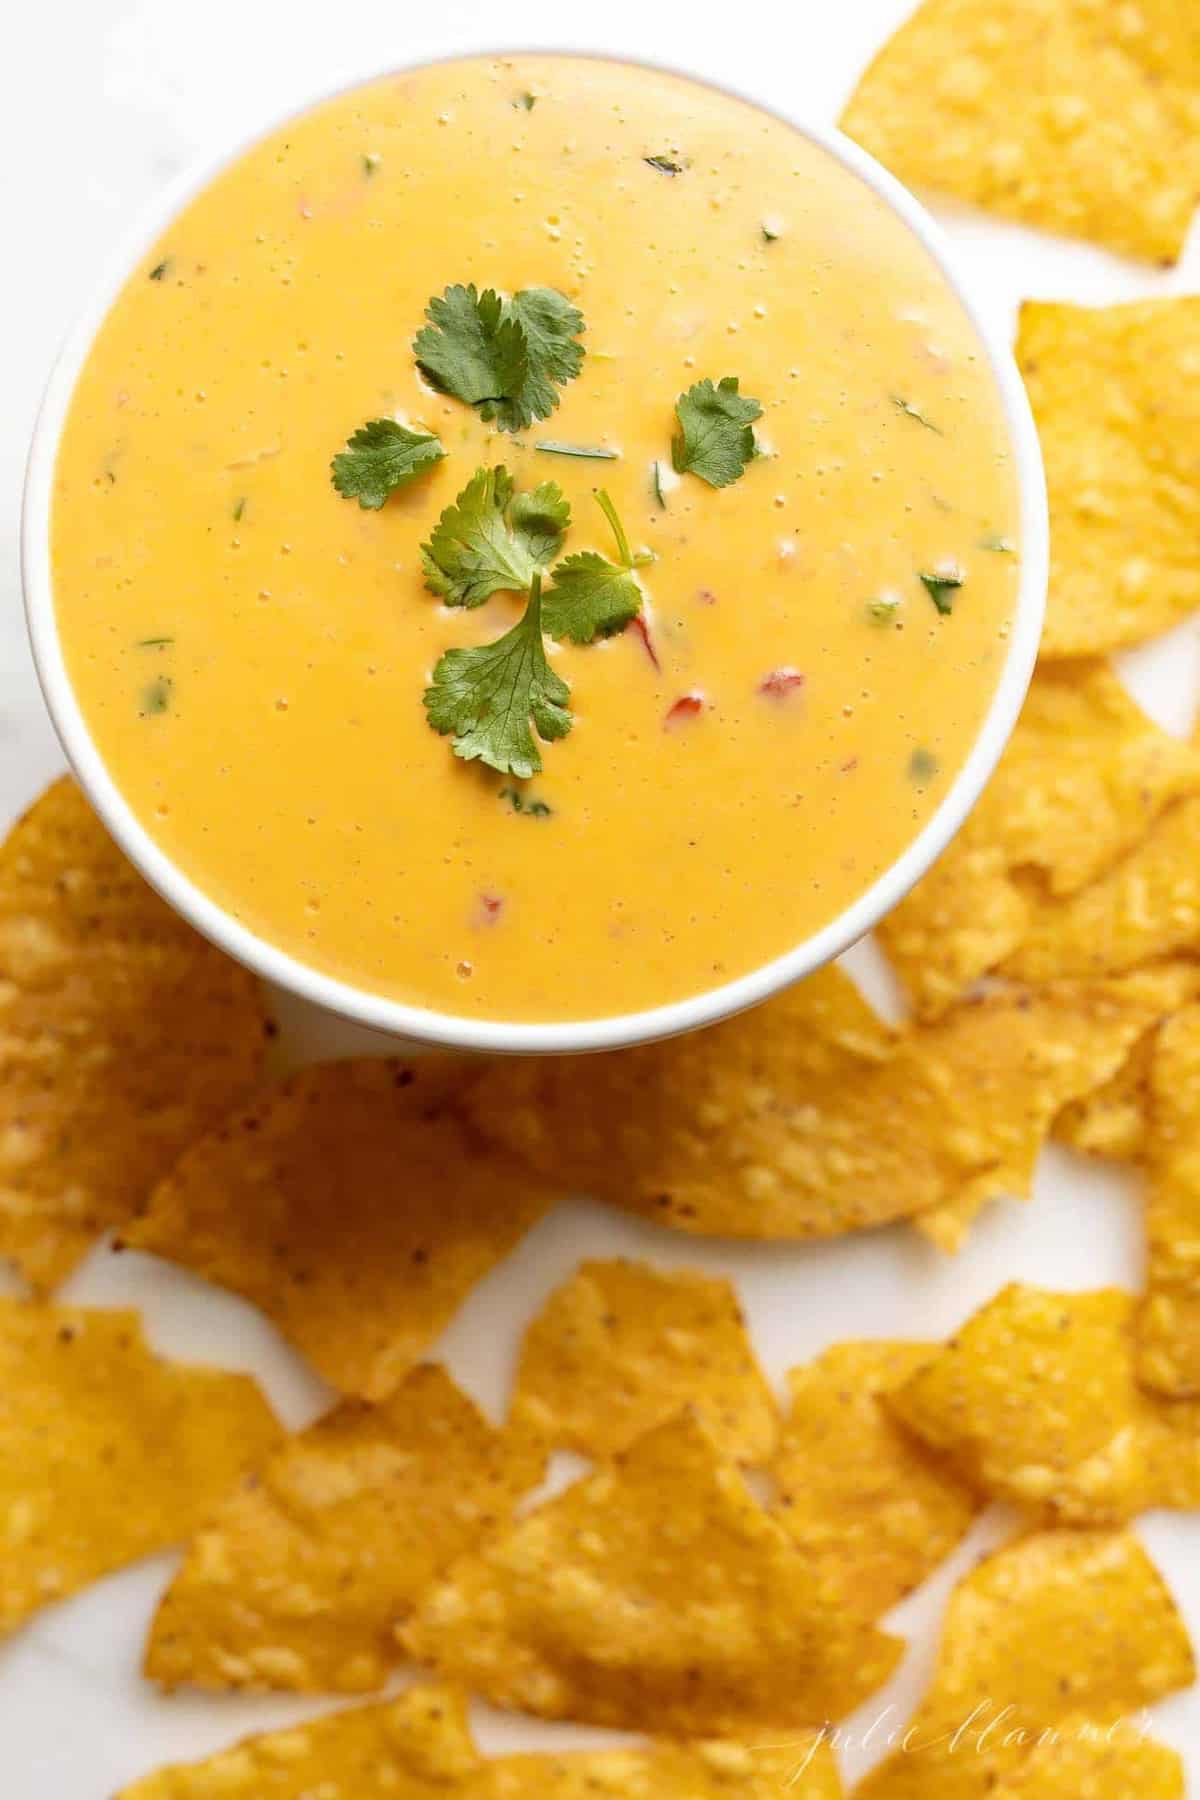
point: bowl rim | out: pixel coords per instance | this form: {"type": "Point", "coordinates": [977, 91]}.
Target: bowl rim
{"type": "Point", "coordinates": [397, 1018]}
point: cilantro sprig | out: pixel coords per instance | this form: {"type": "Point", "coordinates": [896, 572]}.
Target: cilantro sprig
{"type": "Point", "coordinates": [508, 357]}
{"type": "Point", "coordinates": [382, 455]}
{"type": "Point", "coordinates": [591, 597]}
{"type": "Point", "coordinates": [492, 539]}
{"type": "Point", "coordinates": [493, 697]}
{"type": "Point", "coordinates": [715, 439]}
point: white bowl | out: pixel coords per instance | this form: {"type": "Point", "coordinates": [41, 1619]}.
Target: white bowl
{"type": "Point", "coordinates": [414, 1022]}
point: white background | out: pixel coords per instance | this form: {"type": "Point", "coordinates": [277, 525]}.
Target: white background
{"type": "Point", "coordinates": [101, 103]}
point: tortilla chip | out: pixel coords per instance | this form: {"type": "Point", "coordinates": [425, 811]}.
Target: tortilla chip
{"type": "Point", "coordinates": [1035, 1401]}
{"type": "Point", "coordinates": [871, 1509]}
{"type": "Point", "coordinates": [790, 1122]}
{"type": "Point", "coordinates": [1148, 906]}
{"type": "Point", "coordinates": [656, 1594]}
{"type": "Point", "coordinates": [1112, 1123]}
{"type": "Point", "coordinates": [621, 1347]}
{"type": "Point", "coordinates": [1116, 395]}
{"type": "Point", "coordinates": [1058, 1625]}
{"type": "Point", "coordinates": [1084, 775]}
{"type": "Point", "coordinates": [417, 1747]}
{"type": "Point", "coordinates": [1169, 1323]}
{"type": "Point", "coordinates": [803, 1769]}
{"type": "Point", "coordinates": [1096, 1762]}
{"type": "Point", "coordinates": [356, 1215]}
{"type": "Point", "coordinates": [107, 1452]}
{"type": "Point", "coordinates": [125, 1035]}
{"type": "Point", "coordinates": [300, 1577]}
{"type": "Point", "coordinates": [1079, 116]}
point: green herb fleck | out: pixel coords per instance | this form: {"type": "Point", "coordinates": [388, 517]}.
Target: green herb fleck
{"type": "Point", "coordinates": [526, 101]}
{"type": "Point", "coordinates": [883, 610]}
{"type": "Point", "coordinates": [941, 588]}
{"type": "Point", "coordinates": [715, 439]}
{"type": "Point", "coordinates": [769, 234]}
{"type": "Point", "coordinates": [239, 509]}
{"type": "Point", "coordinates": [1002, 546]}
{"type": "Point", "coordinates": [666, 165]}
{"type": "Point", "coordinates": [507, 357]}
{"type": "Point", "coordinates": [532, 809]}
{"type": "Point", "coordinates": [914, 412]}
{"type": "Point", "coordinates": [492, 538]}
{"type": "Point", "coordinates": [161, 270]}
{"type": "Point", "coordinates": [381, 457]}
{"type": "Point", "coordinates": [922, 765]}
{"type": "Point", "coordinates": [494, 696]}
{"type": "Point", "coordinates": [656, 485]}
{"type": "Point", "coordinates": [591, 597]}
{"type": "Point", "coordinates": [158, 643]}
{"type": "Point", "coordinates": [593, 452]}
{"type": "Point", "coordinates": [156, 695]}
{"type": "Point", "coordinates": [370, 163]}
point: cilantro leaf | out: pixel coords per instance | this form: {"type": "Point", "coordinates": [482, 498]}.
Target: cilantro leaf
{"type": "Point", "coordinates": [941, 587]}
{"type": "Point", "coordinates": [493, 696]}
{"type": "Point", "coordinates": [489, 541]}
{"type": "Point", "coordinates": [715, 440]}
{"type": "Point", "coordinates": [590, 598]}
{"type": "Point", "coordinates": [507, 357]}
{"type": "Point", "coordinates": [381, 457]}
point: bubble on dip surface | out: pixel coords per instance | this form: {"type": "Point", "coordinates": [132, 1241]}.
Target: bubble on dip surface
{"type": "Point", "coordinates": [250, 649]}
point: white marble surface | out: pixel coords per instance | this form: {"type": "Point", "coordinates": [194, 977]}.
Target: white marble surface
{"type": "Point", "coordinates": [101, 105]}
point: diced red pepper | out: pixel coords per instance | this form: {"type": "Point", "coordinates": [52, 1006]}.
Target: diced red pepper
{"type": "Point", "coordinates": [780, 683]}
{"type": "Point", "coordinates": [685, 708]}
{"type": "Point", "coordinates": [639, 625]}
{"type": "Point", "coordinates": [706, 597]}
{"type": "Point", "coordinates": [489, 909]}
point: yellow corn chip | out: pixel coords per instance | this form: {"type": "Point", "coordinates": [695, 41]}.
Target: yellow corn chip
{"type": "Point", "coordinates": [654, 1594]}
{"type": "Point", "coordinates": [299, 1578]}
{"type": "Point", "coordinates": [802, 1769]}
{"type": "Point", "coordinates": [1058, 1625]}
{"type": "Point", "coordinates": [776, 1125]}
{"type": "Point", "coordinates": [622, 1347]}
{"type": "Point", "coordinates": [1148, 906]}
{"type": "Point", "coordinates": [1084, 775]}
{"type": "Point", "coordinates": [1112, 1123]}
{"type": "Point", "coordinates": [1116, 396]}
{"type": "Point", "coordinates": [1035, 1400]}
{"type": "Point", "coordinates": [418, 1747]}
{"type": "Point", "coordinates": [1080, 116]}
{"type": "Point", "coordinates": [1096, 1762]}
{"type": "Point", "coordinates": [1169, 1324]}
{"type": "Point", "coordinates": [124, 1036]}
{"type": "Point", "coordinates": [871, 1509]}
{"type": "Point", "coordinates": [356, 1216]}
{"type": "Point", "coordinates": [107, 1453]}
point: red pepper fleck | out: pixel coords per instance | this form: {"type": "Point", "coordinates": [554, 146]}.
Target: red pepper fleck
{"type": "Point", "coordinates": [848, 768]}
{"type": "Point", "coordinates": [489, 909]}
{"type": "Point", "coordinates": [706, 597]}
{"type": "Point", "coordinates": [780, 683]}
{"type": "Point", "coordinates": [686, 707]}
{"type": "Point", "coordinates": [638, 624]}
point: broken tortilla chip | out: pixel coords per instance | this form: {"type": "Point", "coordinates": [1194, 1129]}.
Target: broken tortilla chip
{"type": "Point", "coordinates": [1096, 1762]}
{"type": "Point", "coordinates": [1058, 1625]}
{"type": "Point", "coordinates": [107, 1453]}
{"type": "Point", "coordinates": [299, 1578]}
{"type": "Point", "coordinates": [1116, 395]}
{"type": "Point", "coordinates": [417, 1747]}
{"type": "Point", "coordinates": [803, 1767]}
{"type": "Point", "coordinates": [1074, 115]}
{"type": "Point", "coordinates": [1169, 1321]}
{"type": "Point", "coordinates": [621, 1347]}
{"type": "Point", "coordinates": [654, 1594]}
{"type": "Point", "coordinates": [125, 1036]}
{"type": "Point", "coordinates": [1085, 773]}
{"type": "Point", "coordinates": [772, 1125]}
{"type": "Point", "coordinates": [872, 1510]}
{"type": "Point", "coordinates": [354, 1213]}
{"type": "Point", "coordinates": [1112, 1122]}
{"type": "Point", "coordinates": [1035, 1401]}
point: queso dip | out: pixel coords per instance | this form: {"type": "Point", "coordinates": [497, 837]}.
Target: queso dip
{"type": "Point", "coordinates": [818, 641]}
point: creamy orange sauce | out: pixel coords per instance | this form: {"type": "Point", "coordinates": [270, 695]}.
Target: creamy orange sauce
{"type": "Point", "coordinates": [276, 745]}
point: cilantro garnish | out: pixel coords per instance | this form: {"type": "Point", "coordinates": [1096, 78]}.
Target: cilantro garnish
{"type": "Point", "coordinates": [589, 452]}
{"type": "Point", "coordinates": [656, 485]}
{"type": "Point", "coordinates": [161, 270]}
{"type": "Point", "coordinates": [507, 357]}
{"type": "Point", "coordinates": [370, 163]}
{"type": "Point", "coordinates": [591, 597]}
{"type": "Point", "coordinates": [997, 543]}
{"type": "Point", "coordinates": [493, 539]}
{"type": "Point", "coordinates": [381, 457]}
{"type": "Point", "coordinates": [922, 765]}
{"type": "Point", "coordinates": [883, 610]}
{"type": "Point", "coordinates": [156, 696]}
{"type": "Point", "coordinates": [532, 809]}
{"type": "Point", "coordinates": [941, 587]}
{"type": "Point", "coordinates": [914, 412]}
{"type": "Point", "coordinates": [494, 696]}
{"type": "Point", "coordinates": [769, 234]}
{"type": "Point", "coordinates": [715, 439]}
{"type": "Point", "coordinates": [666, 165]}
{"type": "Point", "coordinates": [238, 512]}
